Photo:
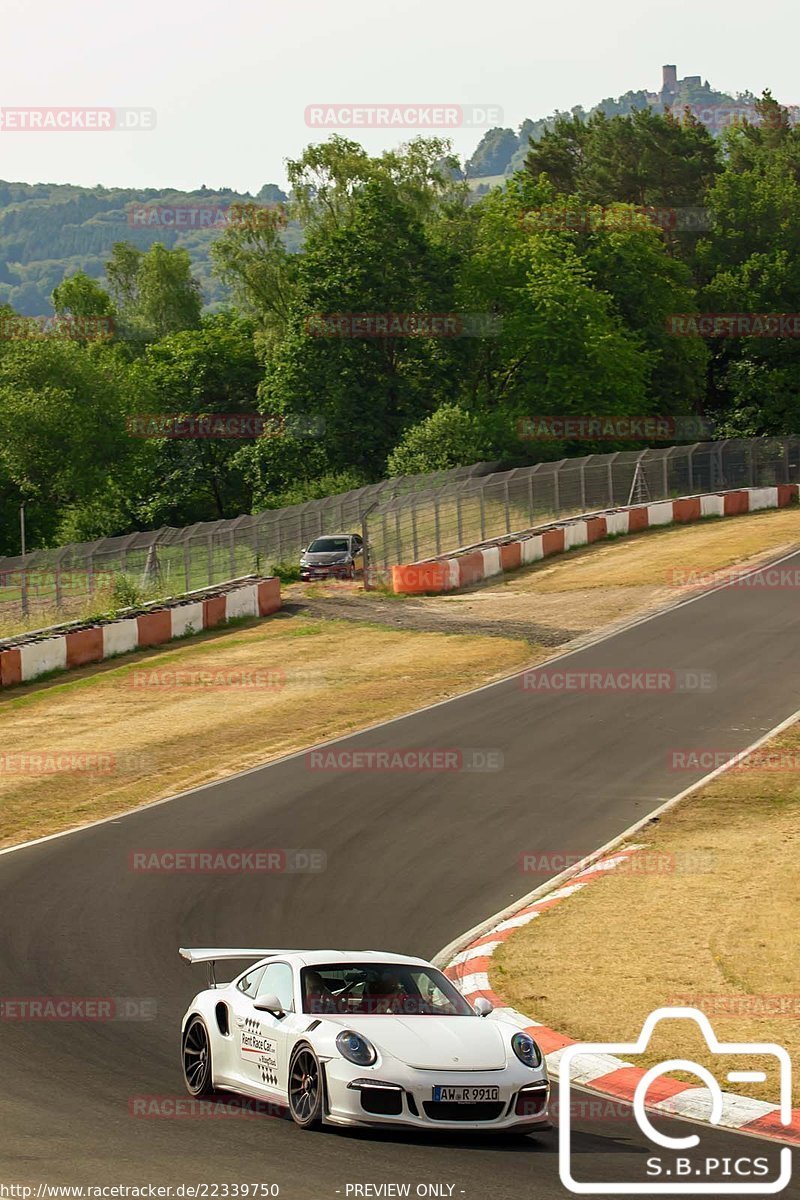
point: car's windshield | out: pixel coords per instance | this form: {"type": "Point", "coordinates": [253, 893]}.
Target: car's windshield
{"type": "Point", "coordinates": [374, 988]}
{"type": "Point", "coordinates": [328, 545]}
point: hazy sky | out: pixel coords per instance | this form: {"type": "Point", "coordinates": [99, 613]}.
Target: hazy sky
{"type": "Point", "coordinates": [230, 81]}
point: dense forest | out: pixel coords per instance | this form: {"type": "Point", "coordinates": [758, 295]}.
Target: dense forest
{"type": "Point", "coordinates": [411, 326]}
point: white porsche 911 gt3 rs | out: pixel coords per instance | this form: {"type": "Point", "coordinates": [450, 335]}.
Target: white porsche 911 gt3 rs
{"type": "Point", "coordinates": [360, 1038]}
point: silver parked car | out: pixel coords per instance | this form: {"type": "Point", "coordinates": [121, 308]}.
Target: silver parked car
{"type": "Point", "coordinates": [336, 555]}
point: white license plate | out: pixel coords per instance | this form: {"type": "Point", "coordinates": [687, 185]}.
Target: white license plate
{"type": "Point", "coordinates": [465, 1095]}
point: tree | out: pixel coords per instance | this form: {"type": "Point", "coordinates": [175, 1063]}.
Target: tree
{"type": "Point", "coordinates": [452, 437]}
{"type": "Point", "coordinates": [252, 259]}
{"type": "Point", "coordinates": [557, 345]}
{"type": "Point", "coordinates": [154, 291]}
{"type": "Point", "coordinates": [752, 265]}
{"type": "Point", "coordinates": [197, 372]}
{"type": "Point", "coordinates": [376, 259]}
{"type": "Point", "coordinates": [64, 442]}
{"type": "Point", "coordinates": [642, 158]}
{"type": "Point", "coordinates": [81, 296]}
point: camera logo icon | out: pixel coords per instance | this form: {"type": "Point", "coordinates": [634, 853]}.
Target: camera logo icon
{"type": "Point", "coordinates": [677, 1171]}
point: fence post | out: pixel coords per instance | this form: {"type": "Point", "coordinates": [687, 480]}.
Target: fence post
{"type": "Point", "coordinates": [458, 519]}
{"type": "Point", "coordinates": [437, 525]}
{"type": "Point", "coordinates": [690, 468]}
{"type": "Point", "coordinates": [210, 558]}
{"type": "Point", "coordinates": [583, 482]}
{"type": "Point", "coordinates": [414, 531]}
{"type": "Point", "coordinates": [530, 498]}
{"type": "Point", "coordinates": [556, 493]}
{"type": "Point", "coordinates": [665, 478]}
{"type": "Point", "coordinates": [483, 515]}
{"type": "Point", "coordinates": [187, 565]}
{"type": "Point", "coordinates": [508, 509]}
{"type": "Point", "coordinates": [398, 535]}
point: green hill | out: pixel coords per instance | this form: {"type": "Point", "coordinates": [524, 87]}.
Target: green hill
{"type": "Point", "coordinates": [48, 231]}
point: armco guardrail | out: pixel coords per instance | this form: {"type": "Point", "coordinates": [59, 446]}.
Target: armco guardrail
{"type": "Point", "coordinates": [460, 513]}
{"type": "Point", "coordinates": [32, 655]}
{"type": "Point", "coordinates": [507, 554]}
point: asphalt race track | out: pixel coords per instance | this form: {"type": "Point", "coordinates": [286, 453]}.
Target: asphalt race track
{"type": "Point", "coordinates": [413, 859]}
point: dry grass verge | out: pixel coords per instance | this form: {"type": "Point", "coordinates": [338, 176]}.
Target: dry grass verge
{"type": "Point", "coordinates": [709, 919]}
{"type": "Point", "coordinates": [595, 585]}
{"type": "Point", "coordinates": [169, 720]}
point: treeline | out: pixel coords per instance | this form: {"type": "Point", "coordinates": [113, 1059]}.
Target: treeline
{"type": "Point", "coordinates": [501, 151]}
{"type": "Point", "coordinates": [415, 329]}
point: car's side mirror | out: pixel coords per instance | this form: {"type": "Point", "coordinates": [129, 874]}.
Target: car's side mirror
{"type": "Point", "coordinates": [483, 1006]}
{"type": "Point", "coordinates": [303, 549]}
{"type": "Point", "coordinates": [269, 1003]}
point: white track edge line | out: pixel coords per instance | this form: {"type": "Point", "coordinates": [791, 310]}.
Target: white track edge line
{"type": "Point", "coordinates": [461, 943]}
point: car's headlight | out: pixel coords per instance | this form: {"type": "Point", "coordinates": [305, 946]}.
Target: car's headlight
{"type": "Point", "coordinates": [356, 1049]}
{"type": "Point", "coordinates": [526, 1050]}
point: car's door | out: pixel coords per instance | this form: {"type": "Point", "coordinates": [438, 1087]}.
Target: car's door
{"type": "Point", "coordinates": [263, 1037]}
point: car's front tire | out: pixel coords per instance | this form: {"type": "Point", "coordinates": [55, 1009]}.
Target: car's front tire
{"type": "Point", "coordinates": [196, 1058]}
{"type": "Point", "coordinates": [306, 1088]}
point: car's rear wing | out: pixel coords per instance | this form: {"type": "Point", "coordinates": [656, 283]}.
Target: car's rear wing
{"type": "Point", "coordinates": [212, 955]}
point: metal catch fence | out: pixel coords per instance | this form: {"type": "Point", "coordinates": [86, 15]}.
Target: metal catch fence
{"type": "Point", "coordinates": [456, 514]}
{"type": "Point", "coordinates": [45, 585]}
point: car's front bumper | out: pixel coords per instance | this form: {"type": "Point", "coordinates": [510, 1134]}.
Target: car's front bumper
{"type": "Point", "coordinates": [411, 1104]}
{"type": "Point", "coordinates": [336, 571]}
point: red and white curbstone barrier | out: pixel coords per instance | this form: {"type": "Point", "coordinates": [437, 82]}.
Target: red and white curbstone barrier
{"type": "Point", "coordinates": [25, 659]}
{"type": "Point", "coordinates": [506, 554]}
{"type": "Point", "coordinates": [605, 1073]}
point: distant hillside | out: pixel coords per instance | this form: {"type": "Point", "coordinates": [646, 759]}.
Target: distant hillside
{"type": "Point", "coordinates": [503, 151]}
{"type": "Point", "coordinates": [48, 231]}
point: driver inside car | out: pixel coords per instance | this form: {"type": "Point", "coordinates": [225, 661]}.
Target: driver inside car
{"type": "Point", "coordinates": [318, 997]}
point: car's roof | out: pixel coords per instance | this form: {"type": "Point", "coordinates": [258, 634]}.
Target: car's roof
{"type": "Point", "coordinates": [320, 536]}
{"type": "Point", "coordinates": [315, 958]}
